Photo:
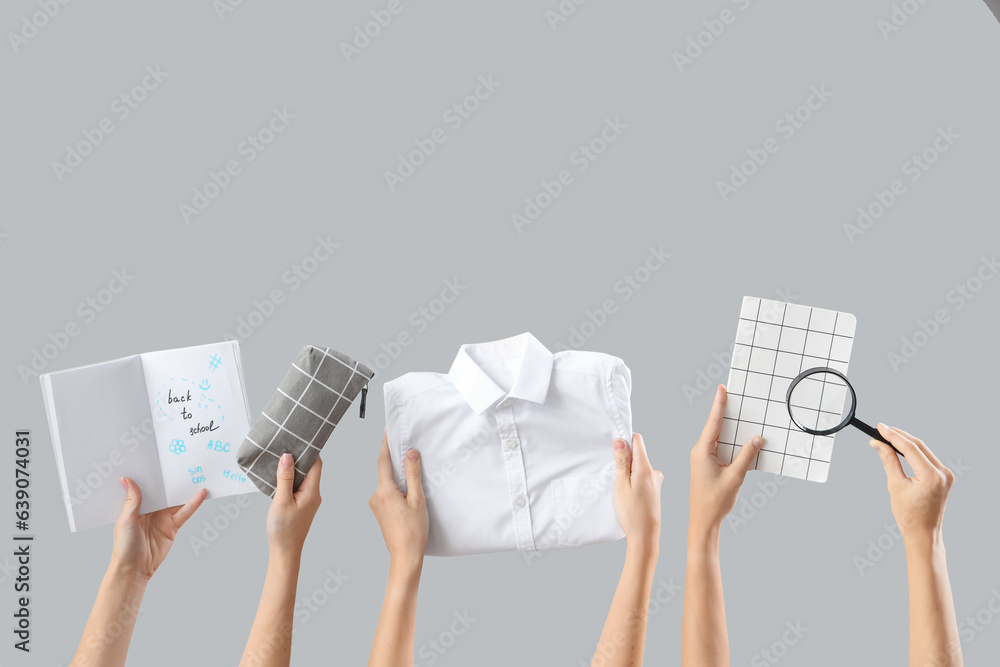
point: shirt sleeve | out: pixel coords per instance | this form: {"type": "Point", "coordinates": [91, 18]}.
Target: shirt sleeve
{"type": "Point", "coordinates": [619, 394]}
{"type": "Point", "coordinates": [394, 432]}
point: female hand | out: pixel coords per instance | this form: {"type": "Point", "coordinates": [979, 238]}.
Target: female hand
{"type": "Point", "coordinates": [404, 522]}
{"type": "Point", "coordinates": [291, 513]}
{"type": "Point", "coordinates": [714, 484]}
{"type": "Point", "coordinates": [142, 541]}
{"type": "Point", "coordinates": [917, 502]}
{"type": "Point", "coordinates": [402, 518]}
{"type": "Point", "coordinates": [637, 493]}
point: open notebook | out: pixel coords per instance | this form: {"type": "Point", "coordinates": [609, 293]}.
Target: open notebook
{"type": "Point", "coordinates": [171, 420]}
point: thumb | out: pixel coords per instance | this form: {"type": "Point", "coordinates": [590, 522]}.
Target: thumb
{"type": "Point", "coordinates": [623, 464]}
{"type": "Point", "coordinates": [893, 468]}
{"type": "Point", "coordinates": [414, 486]}
{"type": "Point", "coordinates": [747, 456]}
{"type": "Point", "coordinates": [133, 499]}
{"type": "Point", "coordinates": [286, 478]}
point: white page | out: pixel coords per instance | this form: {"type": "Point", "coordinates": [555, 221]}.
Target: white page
{"type": "Point", "coordinates": [775, 341]}
{"type": "Point", "coordinates": [102, 430]}
{"type": "Point", "coordinates": [200, 415]}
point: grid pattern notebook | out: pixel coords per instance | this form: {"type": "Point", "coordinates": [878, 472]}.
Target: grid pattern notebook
{"type": "Point", "coordinates": [308, 404]}
{"type": "Point", "coordinates": [775, 341]}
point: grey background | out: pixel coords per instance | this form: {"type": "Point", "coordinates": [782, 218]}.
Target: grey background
{"type": "Point", "coordinates": [793, 561]}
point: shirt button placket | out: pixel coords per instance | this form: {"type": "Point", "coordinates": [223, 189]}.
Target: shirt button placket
{"type": "Point", "coordinates": [516, 479]}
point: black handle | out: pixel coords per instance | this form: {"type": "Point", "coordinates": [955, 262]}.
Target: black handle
{"type": "Point", "coordinates": [873, 432]}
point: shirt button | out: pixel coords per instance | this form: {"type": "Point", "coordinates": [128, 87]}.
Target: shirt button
{"type": "Point", "coordinates": [520, 501]}
{"type": "Point", "coordinates": [510, 444]}
{"type": "Point", "coordinates": [505, 403]}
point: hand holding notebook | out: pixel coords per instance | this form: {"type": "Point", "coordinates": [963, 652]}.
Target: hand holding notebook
{"type": "Point", "coordinates": [170, 420]}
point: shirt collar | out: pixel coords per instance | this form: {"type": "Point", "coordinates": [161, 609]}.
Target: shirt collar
{"type": "Point", "coordinates": [531, 379]}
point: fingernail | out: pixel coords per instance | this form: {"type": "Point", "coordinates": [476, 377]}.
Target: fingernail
{"type": "Point", "coordinates": [121, 480]}
{"type": "Point", "coordinates": [413, 455]}
{"type": "Point", "coordinates": [619, 444]}
{"type": "Point", "coordinates": [880, 425]}
{"type": "Point", "coordinates": [758, 441]}
{"type": "Point", "coordinates": [286, 460]}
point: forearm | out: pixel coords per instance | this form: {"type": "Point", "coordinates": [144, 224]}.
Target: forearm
{"type": "Point", "coordinates": [270, 641]}
{"type": "Point", "coordinates": [108, 633]}
{"type": "Point", "coordinates": [393, 642]}
{"type": "Point", "coordinates": [704, 638]}
{"type": "Point", "coordinates": [934, 636]}
{"type": "Point", "coordinates": [623, 639]}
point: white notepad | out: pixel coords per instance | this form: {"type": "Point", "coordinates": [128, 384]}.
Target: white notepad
{"type": "Point", "coordinates": [775, 341]}
{"type": "Point", "coordinates": [170, 420]}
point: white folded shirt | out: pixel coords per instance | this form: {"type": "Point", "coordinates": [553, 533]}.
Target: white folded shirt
{"type": "Point", "coordinates": [515, 444]}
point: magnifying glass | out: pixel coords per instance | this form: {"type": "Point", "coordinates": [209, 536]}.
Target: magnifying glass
{"type": "Point", "coordinates": [821, 402]}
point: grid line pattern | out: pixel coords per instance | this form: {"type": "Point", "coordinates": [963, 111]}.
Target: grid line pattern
{"type": "Point", "coordinates": [822, 389]}
{"type": "Point", "coordinates": [775, 341]}
{"type": "Point", "coordinates": [304, 410]}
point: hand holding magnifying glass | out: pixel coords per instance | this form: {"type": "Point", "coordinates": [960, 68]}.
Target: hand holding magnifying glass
{"type": "Point", "coordinates": [821, 402]}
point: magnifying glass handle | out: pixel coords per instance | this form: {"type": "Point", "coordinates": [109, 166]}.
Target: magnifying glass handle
{"type": "Point", "coordinates": [873, 432]}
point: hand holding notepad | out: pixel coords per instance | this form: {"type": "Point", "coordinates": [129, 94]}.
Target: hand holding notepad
{"type": "Point", "coordinates": [170, 420]}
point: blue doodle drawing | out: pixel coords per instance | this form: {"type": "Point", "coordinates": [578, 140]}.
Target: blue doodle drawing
{"type": "Point", "coordinates": [214, 361]}
{"type": "Point", "coordinates": [204, 386]}
{"type": "Point", "coordinates": [177, 447]}
{"type": "Point", "coordinates": [206, 402]}
{"type": "Point", "coordinates": [218, 446]}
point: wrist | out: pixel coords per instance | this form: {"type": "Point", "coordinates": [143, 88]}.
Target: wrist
{"type": "Point", "coordinates": [703, 540]}
{"type": "Point", "coordinates": [703, 535]}
{"type": "Point", "coordinates": [128, 574]}
{"type": "Point", "coordinates": [648, 546]}
{"type": "Point", "coordinates": [924, 543]}
{"type": "Point", "coordinates": [285, 554]}
{"type": "Point", "coordinates": [405, 568]}
{"type": "Point", "coordinates": [642, 558]}
{"type": "Point", "coordinates": [645, 546]}
{"type": "Point", "coordinates": [404, 578]}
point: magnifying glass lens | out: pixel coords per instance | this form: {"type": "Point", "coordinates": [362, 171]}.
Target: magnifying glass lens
{"type": "Point", "coordinates": [820, 402]}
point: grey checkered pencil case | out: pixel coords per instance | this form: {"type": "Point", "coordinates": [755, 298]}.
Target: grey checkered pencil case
{"type": "Point", "coordinates": [309, 403]}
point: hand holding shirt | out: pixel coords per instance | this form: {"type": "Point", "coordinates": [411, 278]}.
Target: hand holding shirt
{"type": "Point", "coordinates": [515, 444]}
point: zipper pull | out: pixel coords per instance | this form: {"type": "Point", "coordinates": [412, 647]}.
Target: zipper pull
{"type": "Point", "coordinates": [364, 399]}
